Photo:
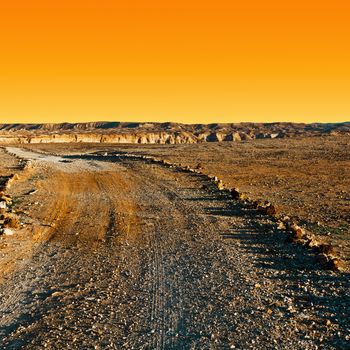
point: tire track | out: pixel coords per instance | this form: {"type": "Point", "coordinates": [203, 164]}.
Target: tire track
{"type": "Point", "coordinates": [163, 278]}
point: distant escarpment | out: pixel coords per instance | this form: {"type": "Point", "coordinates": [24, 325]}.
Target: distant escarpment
{"type": "Point", "coordinates": [161, 133]}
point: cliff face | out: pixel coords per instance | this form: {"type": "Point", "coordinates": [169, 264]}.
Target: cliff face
{"type": "Point", "coordinates": [159, 133]}
{"type": "Point", "coordinates": [144, 138]}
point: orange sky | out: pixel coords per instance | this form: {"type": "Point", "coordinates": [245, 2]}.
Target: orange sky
{"type": "Point", "coordinates": [188, 61]}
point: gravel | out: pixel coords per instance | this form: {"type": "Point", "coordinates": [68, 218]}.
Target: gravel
{"type": "Point", "coordinates": [147, 257]}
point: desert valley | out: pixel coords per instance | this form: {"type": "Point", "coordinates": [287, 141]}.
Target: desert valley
{"type": "Point", "coordinates": [175, 236]}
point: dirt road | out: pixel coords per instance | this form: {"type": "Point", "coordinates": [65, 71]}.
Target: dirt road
{"type": "Point", "coordinates": [134, 255]}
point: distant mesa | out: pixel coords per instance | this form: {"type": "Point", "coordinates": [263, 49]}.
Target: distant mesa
{"type": "Point", "coordinates": [162, 133]}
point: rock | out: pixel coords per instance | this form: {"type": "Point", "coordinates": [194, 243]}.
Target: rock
{"type": "Point", "coordinates": [235, 193]}
{"type": "Point", "coordinates": [336, 264]}
{"type": "Point", "coordinates": [296, 234]}
{"type": "Point", "coordinates": [326, 249]}
{"type": "Point", "coordinates": [248, 200]}
{"type": "Point", "coordinates": [322, 259]}
{"type": "Point", "coordinates": [297, 231]}
{"type": "Point", "coordinates": [242, 197]}
{"type": "Point", "coordinates": [7, 231]}
{"type": "Point", "coordinates": [271, 210]}
{"type": "Point", "coordinates": [11, 222]}
{"type": "Point", "coordinates": [267, 208]}
{"type": "Point", "coordinates": [254, 203]}
{"type": "Point", "coordinates": [220, 185]}
{"type": "Point", "coordinates": [310, 242]}
{"type": "Point", "coordinates": [6, 198]}
{"type": "Point", "coordinates": [291, 309]}
{"type": "Point", "coordinates": [281, 225]}
{"type": "Point", "coordinates": [126, 273]}
{"type": "Point", "coordinates": [32, 192]}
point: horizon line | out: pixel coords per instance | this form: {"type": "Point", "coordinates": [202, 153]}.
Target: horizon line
{"type": "Point", "coordinates": [175, 122]}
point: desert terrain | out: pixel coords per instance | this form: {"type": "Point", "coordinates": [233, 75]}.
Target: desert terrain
{"type": "Point", "coordinates": [162, 133]}
{"type": "Point", "coordinates": [141, 247]}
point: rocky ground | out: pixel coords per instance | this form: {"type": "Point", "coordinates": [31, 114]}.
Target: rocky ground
{"type": "Point", "coordinates": [124, 253]}
{"type": "Point", "coordinates": [306, 178]}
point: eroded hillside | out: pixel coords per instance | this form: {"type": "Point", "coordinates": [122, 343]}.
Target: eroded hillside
{"type": "Point", "coordinates": [160, 133]}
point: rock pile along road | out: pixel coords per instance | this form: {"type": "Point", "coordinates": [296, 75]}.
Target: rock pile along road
{"type": "Point", "coordinates": [135, 255]}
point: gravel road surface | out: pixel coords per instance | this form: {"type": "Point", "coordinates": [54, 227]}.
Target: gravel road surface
{"type": "Point", "coordinates": [135, 255]}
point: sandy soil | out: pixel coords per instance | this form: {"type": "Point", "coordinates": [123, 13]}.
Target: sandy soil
{"type": "Point", "coordinates": [307, 178]}
{"type": "Point", "coordinates": [129, 254]}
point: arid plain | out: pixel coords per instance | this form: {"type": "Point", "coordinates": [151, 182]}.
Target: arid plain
{"type": "Point", "coordinates": [181, 245]}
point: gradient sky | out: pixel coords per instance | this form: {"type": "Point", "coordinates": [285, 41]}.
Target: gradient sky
{"type": "Point", "coordinates": [187, 61]}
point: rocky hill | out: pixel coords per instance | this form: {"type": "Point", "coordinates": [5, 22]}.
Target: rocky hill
{"type": "Point", "coordinates": [161, 133]}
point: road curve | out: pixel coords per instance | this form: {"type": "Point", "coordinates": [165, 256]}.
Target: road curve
{"type": "Point", "coordinates": [134, 255]}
